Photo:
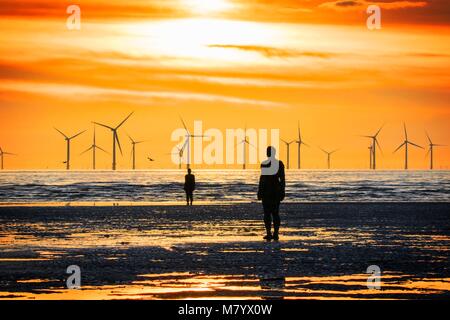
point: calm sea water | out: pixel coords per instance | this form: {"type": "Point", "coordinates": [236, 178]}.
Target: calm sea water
{"type": "Point", "coordinates": [220, 186]}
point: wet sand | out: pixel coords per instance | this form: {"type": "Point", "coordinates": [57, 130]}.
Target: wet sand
{"type": "Point", "coordinates": [217, 251]}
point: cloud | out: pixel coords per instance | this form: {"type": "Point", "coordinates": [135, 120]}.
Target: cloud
{"type": "Point", "coordinates": [346, 5]}
{"type": "Point", "coordinates": [133, 96]}
{"type": "Point", "coordinates": [272, 52]}
{"type": "Point", "coordinates": [91, 9]}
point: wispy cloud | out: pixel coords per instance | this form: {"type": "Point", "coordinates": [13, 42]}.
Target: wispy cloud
{"type": "Point", "coordinates": [92, 9]}
{"type": "Point", "coordinates": [311, 11]}
{"type": "Point", "coordinates": [272, 52]}
{"type": "Point", "coordinates": [133, 96]}
{"type": "Point", "coordinates": [344, 5]}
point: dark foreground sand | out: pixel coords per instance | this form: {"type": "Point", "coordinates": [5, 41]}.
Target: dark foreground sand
{"type": "Point", "coordinates": [216, 251]}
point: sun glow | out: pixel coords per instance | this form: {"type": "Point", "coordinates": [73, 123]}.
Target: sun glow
{"type": "Point", "coordinates": [204, 7]}
{"type": "Point", "coordinates": [193, 40]}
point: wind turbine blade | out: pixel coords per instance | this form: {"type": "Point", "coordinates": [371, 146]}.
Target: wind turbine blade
{"type": "Point", "coordinates": [183, 147]}
{"type": "Point", "coordinates": [406, 132]}
{"type": "Point", "coordinates": [323, 150]}
{"type": "Point", "coordinates": [132, 141]}
{"type": "Point", "coordinates": [376, 134]}
{"type": "Point", "coordinates": [416, 145]}
{"type": "Point", "coordinates": [100, 148]}
{"type": "Point", "coordinates": [118, 143]}
{"type": "Point", "coordinates": [336, 150]}
{"type": "Point", "coordinates": [306, 144]}
{"type": "Point", "coordinates": [185, 144]}
{"type": "Point", "coordinates": [61, 133]}
{"type": "Point", "coordinates": [251, 144]}
{"type": "Point", "coordinates": [184, 125]}
{"type": "Point", "coordinates": [399, 147]}
{"type": "Point", "coordinates": [284, 141]}
{"type": "Point", "coordinates": [77, 134]}
{"type": "Point", "coordinates": [9, 153]}
{"type": "Point", "coordinates": [428, 152]}
{"type": "Point", "coordinates": [378, 145]}
{"type": "Point", "coordinates": [428, 137]}
{"type": "Point", "coordinates": [124, 121]}
{"type": "Point", "coordinates": [138, 142]}
{"type": "Point", "coordinates": [103, 125]}
{"type": "Point", "coordinates": [86, 150]}
{"type": "Point", "coordinates": [439, 145]}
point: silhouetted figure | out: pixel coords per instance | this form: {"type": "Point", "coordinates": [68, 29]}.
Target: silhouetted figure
{"type": "Point", "coordinates": [189, 187]}
{"type": "Point", "coordinates": [271, 191]}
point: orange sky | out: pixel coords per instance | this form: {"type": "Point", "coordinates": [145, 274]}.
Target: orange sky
{"type": "Point", "coordinates": [229, 63]}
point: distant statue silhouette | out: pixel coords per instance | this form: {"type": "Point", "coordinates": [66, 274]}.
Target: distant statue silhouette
{"type": "Point", "coordinates": [189, 187]}
{"type": "Point", "coordinates": [271, 191]}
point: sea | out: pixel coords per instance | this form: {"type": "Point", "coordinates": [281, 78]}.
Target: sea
{"type": "Point", "coordinates": [218, 186]}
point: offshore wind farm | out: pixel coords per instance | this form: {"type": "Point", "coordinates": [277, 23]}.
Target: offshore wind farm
{"type": "Point", "coordinates": [184, 153]}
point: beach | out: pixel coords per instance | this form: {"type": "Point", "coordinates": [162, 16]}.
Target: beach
{"type": "Point", "coordinates": [217, 251]}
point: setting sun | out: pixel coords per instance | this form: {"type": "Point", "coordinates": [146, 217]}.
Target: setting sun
{"type": "Point", "coordinates": [204, 7]}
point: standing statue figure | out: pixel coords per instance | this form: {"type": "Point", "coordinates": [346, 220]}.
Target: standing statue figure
{"type": "Point", "coordinates": [189, 187]}
{"type": "Point", "coordinates": [271, 191]}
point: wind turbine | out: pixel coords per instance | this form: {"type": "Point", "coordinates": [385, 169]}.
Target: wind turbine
{"type": "Point", "coordinates": [287, 150]}
{"type": "Point", "coordinates": [115, 137]}
{"type": "Point", "coordinates": [328, 153]}
{"type": "Point", "coordinates": [371, 154]}
{"type": "Point", "coordinates": [133, 150]}
{"type": "Point", "coordinates": [93, 147]}
{"type": "Point", "coordinates": [299, 143]}
{"type": "Point", "coordinates": [430, 150]}
{"type": "Point", "coordinates": [406, 143]}
{"type": "Point", "coordinates": [244, 142]}
{"type": "Point", "coordinates": [188, 142]}
{"type": "Point", "coordinates": [373, 148]}
{"type": "Point", "coordinates": [2, 154]}
{"type": "Point", "coordinates": [180, 155]}
{"type": "Point", "coordinates": [68, 139]}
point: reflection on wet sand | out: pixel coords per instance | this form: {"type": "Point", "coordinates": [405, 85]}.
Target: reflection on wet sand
{"type": "Point", "coordinates": [191, 286]}
{"type": "Point", "coordinates": [210, 252]}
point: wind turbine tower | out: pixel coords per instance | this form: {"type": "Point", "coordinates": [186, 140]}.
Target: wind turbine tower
{"type": "Point", "coordinates": [299, 143]}
{"type": "Point", "coordinates": [288, 144]}
{"type": "Point", "coordinates": [328, 153]}
{"type": "Point", "coordinates": [406, 143]}
{"type": "Point", "coordinates": [93, 147]}
{"type": "Point", "coordinates": [431, 149]}
{"type": "Point", "coordinates": [373, 148]}
{"type": "Point", "coordinates": [2, 154]}
{"type": "Point", "coordinates": [68, 140]}
{"type": "Point", "coordinates": [133, 150]}
{"type": "Point", "coordinates": [115, 138]}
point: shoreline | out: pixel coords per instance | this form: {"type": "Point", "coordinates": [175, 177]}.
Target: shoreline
{"type": "Point", "coordinates": [134, 204]}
